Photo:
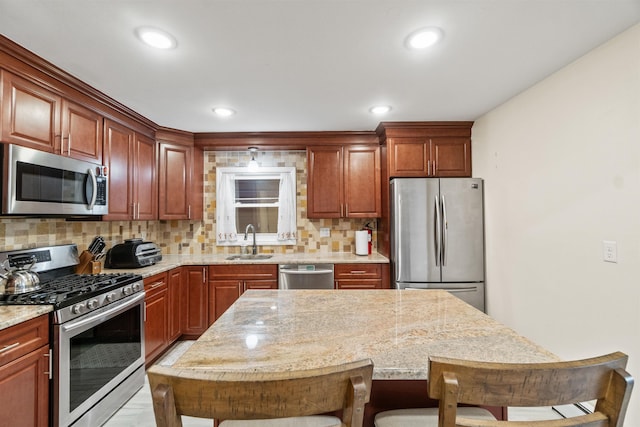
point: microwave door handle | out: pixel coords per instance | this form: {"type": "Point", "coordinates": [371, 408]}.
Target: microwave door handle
{"type": "Point", "coordinates": [94, 193]}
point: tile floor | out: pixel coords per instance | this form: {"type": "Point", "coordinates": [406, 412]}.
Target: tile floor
{"type": "Point", "coordinates": [138, 411]}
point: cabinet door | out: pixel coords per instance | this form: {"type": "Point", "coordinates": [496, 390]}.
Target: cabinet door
{"type": "Point", "coordinates": [408, 157]}
{"type": "Point", "coordinates": [145, 183]}
{"type": "Point", "coordinates": [155, 325]}
{"type": "Point", "coordinates": [82, 132]}
{"type": "Point", "coordinates": [30, 114]}
{"type": "Point", "coordinates": [195, 301]}
{"type": "Point", "coordinates": [451, 156]}
{"type": "Point", "coordinates": [325, 182]}
{"type": "Point", "coordinates": [174, 181]}
{"type": "Point", "coordinates": [24, 387]}
{"type": "Point", "coordinates": [174, 282]}
{"type": "Point", "coordinates": [222, 293]}
{"type": "Point", "coordinates": [362, 182]}
{"type": "Point", "coordinates": [119, 156]}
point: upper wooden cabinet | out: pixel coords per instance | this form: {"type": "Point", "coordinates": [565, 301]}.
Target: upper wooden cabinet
{"type": "Point", "coordinates": [424, 149]}
{"type": "Point", "coordinates": [180, 181]}
{"type": "Point", "coordinates": [131, 161]}
{"type": "Point", "coordinates": [343, 181]}
{"type": "Point", "coordinates": [36, 117]}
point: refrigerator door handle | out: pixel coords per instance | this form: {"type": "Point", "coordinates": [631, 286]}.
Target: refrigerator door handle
{"type": "Point", "coordinates": [398, 235]}
{"type": "Point", "coordinates": [445, 227]}
{"type": "Point", "coordinates": [437, 230]}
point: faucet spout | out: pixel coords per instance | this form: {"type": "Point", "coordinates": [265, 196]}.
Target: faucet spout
{"type": "Point", "coordinates": [254, 249]}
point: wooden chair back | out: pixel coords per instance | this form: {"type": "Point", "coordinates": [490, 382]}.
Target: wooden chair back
{"type": "Point", "coordinates": [603, 379]}
{"type": "Point", "coordinates": [260, 395]}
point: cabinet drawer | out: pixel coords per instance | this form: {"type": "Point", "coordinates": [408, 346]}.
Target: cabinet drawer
{"type": "Point", "coordinates": [243, 272]}
{"type": "Point", "coordinates": [21, 339]}
{"type": "Point", "coordinates": [157, 282]}
{"type": "Point", "coordinates": [359, 284]}
{"type": "Point", "coordinates": [357, 271]}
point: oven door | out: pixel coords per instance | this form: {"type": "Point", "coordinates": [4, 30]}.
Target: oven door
{"type": "Point", "coordinates": [99, 362]}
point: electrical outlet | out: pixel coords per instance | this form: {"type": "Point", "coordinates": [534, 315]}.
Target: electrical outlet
{"type": "Point", "coordinates": [610, 251]}
{"type": "Point", "coordinates": [325, 232]}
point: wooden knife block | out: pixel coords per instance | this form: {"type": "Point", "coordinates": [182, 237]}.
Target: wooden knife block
{"type": "Point", "coordinates": [87, 264]}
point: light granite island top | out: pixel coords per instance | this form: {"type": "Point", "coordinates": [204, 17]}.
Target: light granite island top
{"type": "Point", "coordinates": [398, 330]}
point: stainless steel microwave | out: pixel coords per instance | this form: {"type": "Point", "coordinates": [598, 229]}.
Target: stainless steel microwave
{"type": "Point", "coordinates": [38, 183]}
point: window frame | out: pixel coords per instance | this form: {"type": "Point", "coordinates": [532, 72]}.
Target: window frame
{"type": "Point", "coordinates": [262, 239]}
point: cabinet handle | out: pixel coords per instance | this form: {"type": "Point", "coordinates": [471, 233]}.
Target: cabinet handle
{"type": "Point", "coordinates": [434, 168]}
{"type": "Point", "coordinates": [9, 347]}
{"type": "Point", "coordinates": [204, 275]}
{"type": "Point", "coordinates": [138, 211]}
{"type": "Point", "coordinates": [346, 210]}
{"type": "Point", "coordinates": [156, 284]}
{"type": "Point", "coordinates": [357, 272]}
{"type": "Point", "coordinates": [69, 146]}
{"type": "Point", "coordinates": [428, 167]}
{"type": "Point", "coordinates": [189, 212]}
{"type": "Point", "coordinates": [50, 372]}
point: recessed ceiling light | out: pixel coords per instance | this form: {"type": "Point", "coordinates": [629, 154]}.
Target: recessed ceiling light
{"type": "Point", "coordinates": [424, 38]}
{"type": "Point", "coordinates": [223, 111]}
{"type": "Point", "coordinates": [156, 38]}
{"type": "Point", "coordinates": [380, 109]}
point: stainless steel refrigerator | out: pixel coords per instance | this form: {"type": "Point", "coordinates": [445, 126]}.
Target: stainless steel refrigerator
{"type": "Point", "coordinates": [437, 236]}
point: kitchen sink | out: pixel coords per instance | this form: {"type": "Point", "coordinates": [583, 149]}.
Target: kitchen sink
{"type": "Point", "coordinates": [248, 257]}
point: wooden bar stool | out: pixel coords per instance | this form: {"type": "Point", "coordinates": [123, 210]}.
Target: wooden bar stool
{"type": "Point", "coordinates": [454, 381]}
{"type": "Point", "coordinates": [252, 398]}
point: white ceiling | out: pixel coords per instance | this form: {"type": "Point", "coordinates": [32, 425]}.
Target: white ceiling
{"type": "Point", "coordinates": [312, 65]}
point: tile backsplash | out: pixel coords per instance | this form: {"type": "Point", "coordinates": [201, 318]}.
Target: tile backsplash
{"type": "Point", "coordinates": [192, 237]}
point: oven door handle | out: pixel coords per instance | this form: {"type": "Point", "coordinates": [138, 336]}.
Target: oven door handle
{"type": "Point", "coordinates": [103, 315]}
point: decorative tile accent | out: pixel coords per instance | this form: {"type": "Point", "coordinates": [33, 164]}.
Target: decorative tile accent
{"type": "Point", "coordinates": [191, 237]}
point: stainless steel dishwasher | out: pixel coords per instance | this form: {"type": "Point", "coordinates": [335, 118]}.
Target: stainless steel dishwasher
{"type": "Point", "coordinates": [306, 276]}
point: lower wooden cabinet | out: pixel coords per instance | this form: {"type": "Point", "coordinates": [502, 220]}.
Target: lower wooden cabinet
{"type": "Point", "coordinates": [156, 301]}
{"type": "Point", "coordinates": [228, 282]}
{"type": "Point", "coordinates": [195, 297]}
{"type": "Point", "coordinates": [174, 290]}
{"type": "Point", "coordinates": [360, 276]}
{"type": "Point", "coordinates": [24, 373]}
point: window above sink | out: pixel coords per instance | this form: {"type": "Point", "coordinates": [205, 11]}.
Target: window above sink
{"type": "Point", "coordinates": [265, 198]}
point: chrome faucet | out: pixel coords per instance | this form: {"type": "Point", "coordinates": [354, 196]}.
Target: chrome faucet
{"type": "Point", "coordinates": [254, 250]}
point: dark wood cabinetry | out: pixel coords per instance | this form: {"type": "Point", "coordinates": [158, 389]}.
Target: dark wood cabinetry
{"type": "Point", "coordinates": [156, 301]}
{"type": "Point", "coordinates": [36, 117]}
{"type": "Point", "coordinates": [343, 181]}
{"type": "Point", "coordinates": [174, 289]}
{"type": "Point", "coordinates": [180, 177]}
{"type": "Point", "coordinates": [131, 162]}
{"type": "Point", "coordinates": [24, 373]}
{"type": "Point", "coordinates": [228, 282]}
{"type": "Point", "coordinates": [361, 276]}
{"type": "Point", "coordinates": [423, 149]}
{"type": "Point", "coordinates": [195, 301]}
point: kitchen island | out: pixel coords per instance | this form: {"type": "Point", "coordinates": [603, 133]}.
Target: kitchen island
{"type": "Point", "coordinates": [398, 330]}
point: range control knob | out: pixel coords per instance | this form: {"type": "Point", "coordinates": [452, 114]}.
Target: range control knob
{"type": "Point", "coordinates": [111, 296]}
{"type": "Point", "coordinates": [127, 290]}
{"type": "Point", "coordinates": [92, 304]}
{"type": "Point", "coordinates": [137, 286]}
{"type": "Point", "coordinates": [77, 309]}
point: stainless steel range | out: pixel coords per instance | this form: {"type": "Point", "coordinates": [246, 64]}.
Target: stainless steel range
{"type": "Point", "coordinates": [97, 334]}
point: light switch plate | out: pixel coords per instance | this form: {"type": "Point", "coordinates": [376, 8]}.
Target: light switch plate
{"type": "Point", "coordinates": [610, 251]}
{"type": "Point", "coordinates": [325, 232]}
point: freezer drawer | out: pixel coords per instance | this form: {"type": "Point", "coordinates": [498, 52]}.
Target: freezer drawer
{"type": "Point", "coordinates": [471, 293]}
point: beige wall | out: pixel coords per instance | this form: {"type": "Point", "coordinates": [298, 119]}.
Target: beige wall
{"type": "Point", "coordinates": [190, 237]}
{"type": "Point", "coordinates": [562, 168]}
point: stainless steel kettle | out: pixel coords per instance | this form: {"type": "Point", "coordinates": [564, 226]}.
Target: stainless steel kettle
{"type": "Point", "coordinates": [21, 279]}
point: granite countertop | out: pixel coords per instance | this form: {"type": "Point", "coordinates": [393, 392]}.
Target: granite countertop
{"type": "Point", "coordinates": [11, 315]}
{"type": "Point", "coordinates": [171, 261]}
{"type": "Point", "coordinates": [398, 330]}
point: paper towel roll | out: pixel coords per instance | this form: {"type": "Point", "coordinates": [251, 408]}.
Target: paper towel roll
{"type": "Point", "coordinates": [362, 242]}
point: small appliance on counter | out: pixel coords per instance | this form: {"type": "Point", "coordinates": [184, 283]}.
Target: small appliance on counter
{"type": "Point", "coordinates": [133, 253]}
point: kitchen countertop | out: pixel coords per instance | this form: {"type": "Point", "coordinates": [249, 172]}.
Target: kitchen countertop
{"type": "Point", "coordinates": [398, 330]}
{"type": "Point", "coordinates": [11, 315]}
{"type": "Point", "coordinates": [171, 261]}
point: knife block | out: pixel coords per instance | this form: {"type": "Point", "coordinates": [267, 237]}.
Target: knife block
{"type": "Point", "coordinates": [87, 265]}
